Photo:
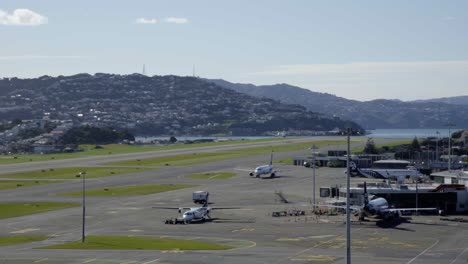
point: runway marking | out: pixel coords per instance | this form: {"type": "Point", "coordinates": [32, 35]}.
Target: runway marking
{"type": "Point", "coordinates": [135, 230]}
{"type": "Point", "coordinates": [243, 230]}
{"type": "Point", "coordinates": [424, 251]}
{"type": "Point", "coordinates": [288, 239]}
{"type": "Point", "coordinates": [459, 255]}
{"type": "Point", "coordinates": [315, 258]}
{"type": "Point", "coordinates": [172, 251]}
{"type": "Point", "coordinates": [26, 230]}
{"type": "Point", "coordinates": [40, 260]}
{"type": "Point", "coordinates": [89, 260]}
{"type": "Point", "coordinates": [322, 236]}
{"type": "Point", "coordinates": [152, 261]}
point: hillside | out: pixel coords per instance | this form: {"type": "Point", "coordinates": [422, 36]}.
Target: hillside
{"type": "Point", "coordinates": [456, 100]}
{"type": "Point", "coordinates": [371, 114]}
{"type": "Point", "coordinates": [158, 105]}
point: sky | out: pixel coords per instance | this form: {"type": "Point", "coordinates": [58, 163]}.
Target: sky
{"type": "Point", "coordinates": [362, 49]}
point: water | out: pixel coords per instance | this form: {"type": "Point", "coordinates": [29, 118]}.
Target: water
{"type": "Point", "coordinates": [376, 133]}
{"type": "Point", "coordinates": [411, 133]}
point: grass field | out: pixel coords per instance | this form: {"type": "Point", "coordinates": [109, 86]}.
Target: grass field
{"type": "Point", "coordinates": [72, 173]}
{"type": "Point", "coordinates": [110, 149]}
{"type": "Point", "coordinates": [131, 190]}
{"type": "Point", "coordinates": [195, 158]}
{"type": "Point", "coordinates": [8, 210]}
{"type": "Point", "coordinates": [138, 243]}
{"type": "Point", "coordinates": [12, 184]}
{"type": "Point", "coordinates": [13, 240]}
{"type": "Point", "coordinates": [286, 161]}
{"type": "Point", "coordinates": [212, 175]}
{"type": "Point", "coordinates": [392, 144]}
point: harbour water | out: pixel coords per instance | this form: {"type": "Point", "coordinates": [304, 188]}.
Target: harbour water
{"type": "Point", "coordinates": [376, 133]}
{"type": "Point", "coordinates": [411, 133]}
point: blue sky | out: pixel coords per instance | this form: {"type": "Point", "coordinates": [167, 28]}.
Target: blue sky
{"type": "Point", "coordinates": [355, 49]}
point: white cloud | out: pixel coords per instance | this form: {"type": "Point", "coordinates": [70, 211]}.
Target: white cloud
{"type": "Point", "coordinates": [176, 20]}
{"type": "Point", "coordinates": [22, 17]}
{"type": "Point", "coordinates": [40, 57]}
{"type": "Point", "coordinates": [143, 20]}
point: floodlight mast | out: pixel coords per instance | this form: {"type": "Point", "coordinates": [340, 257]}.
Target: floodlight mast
{"type": "Point", "coordinates": [348, 218]}
{"type": "Point", "coordinates": [83, 236]}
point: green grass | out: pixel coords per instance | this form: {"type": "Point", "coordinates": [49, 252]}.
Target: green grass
{"type": "Point", "coordinates": [390, 144]}
{"type": "Point", "coordinates": [14, 240]}
{"type": "Point", "coordinates": [72, 173]}
{"type": "Point", "coordinates": [286, 161]}
{"type": "Point", "coordinates": [138, 243]}
{"type": "Point", "coordinates": [131, 190]}
{"type": "Point", "coordinates": [12, 184]}
{"type": "Point", "coordinates": [8, 210]}
{"type": "Point", "coordinates": [212, 175]}
{"type": "Point", "coordinates": [110, 149]}
{"type": "Point", "coordinates": [195, 158]}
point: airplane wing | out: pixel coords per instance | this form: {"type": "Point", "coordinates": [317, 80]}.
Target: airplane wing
{"type": "Point", "coordinates": [241, 169]}
{"type": "Point", "coordinates": [225, 208]}
{"type": "Point", "coordinates": [352, 207]}
{"type": "Point", "coordinates": [281, 170]}
{"type": "Point", "coordinates": [407, 209]}
{"type": "Point", "coordinates": [172, 208]}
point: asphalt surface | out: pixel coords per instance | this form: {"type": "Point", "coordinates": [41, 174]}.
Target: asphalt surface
{"type": "Point", "coordinates": [258, 237]}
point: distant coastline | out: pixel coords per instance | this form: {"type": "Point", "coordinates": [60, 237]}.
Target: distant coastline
{"type": "Point", "coordinates": [376, 133]}
{"type": "Point", "coordinates": [411, 133]}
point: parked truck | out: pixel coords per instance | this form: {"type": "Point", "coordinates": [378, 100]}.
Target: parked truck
{"type": "Point", "coordinates": [200, 197]}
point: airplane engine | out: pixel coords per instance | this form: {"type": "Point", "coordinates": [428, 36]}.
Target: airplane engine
{"type": "Point", "coordinates": [251, 174]}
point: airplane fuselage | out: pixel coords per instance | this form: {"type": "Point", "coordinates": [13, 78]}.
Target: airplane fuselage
{"type": "Point", "coordinates": [195, 214]}
{"type": "Point", "coordinates": [262, 170]}
{"type": "Point", "coordinates": [374, 207]}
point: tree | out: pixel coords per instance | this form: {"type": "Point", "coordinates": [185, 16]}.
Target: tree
{"type": "Point", "coordinates": [415, 145]}
{"type": "Point", "coordinates": [95, 135]}
{"type": "Point", "coordinates": [173, 139]}
{"type": "Point", "coordinates": [370, 147]}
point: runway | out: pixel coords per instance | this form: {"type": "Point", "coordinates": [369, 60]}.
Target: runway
{"type": "Point", "coordinates": [258, 237]}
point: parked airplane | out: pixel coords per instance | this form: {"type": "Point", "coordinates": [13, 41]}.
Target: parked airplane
{"type": "Point", "coordinates": [263, 170]}
{"type": "Point", "coordinates": [397, 170]}
{"type": "Point", "coordinates": [192, 214]}
{"type": "Point", "coordinates": [377, 208]}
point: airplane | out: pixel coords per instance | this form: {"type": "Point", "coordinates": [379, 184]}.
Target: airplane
{"type": "Point", "coordinates": [380, 172]}
{"type": "Point", "coordinates": [263, 169]}
{"type": "Point", "coordinates": [195, 214]}
{"type": "Point", "coordinates": [377, 208]}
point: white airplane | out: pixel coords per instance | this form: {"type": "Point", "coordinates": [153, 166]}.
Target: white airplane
{"type": "Point", "coordinates": [263, 170]}
{"type": "Point", "coordinates": [378, 208]}
{"type": "Point", "coordinates": [192, 214]}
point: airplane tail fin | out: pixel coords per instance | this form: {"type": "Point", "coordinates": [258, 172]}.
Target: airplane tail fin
{"type": "Point", "coordinates": [271, 158]}
{"type": "Point", "coordinates": [366, 196]}
{"type": "Point", "coordinates": [353, 169]}
{"type": "Point", "coordinates": [206, 200]}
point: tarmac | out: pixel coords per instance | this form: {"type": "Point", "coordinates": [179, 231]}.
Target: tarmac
{"type": "Point", "coordinates": [257, 236]}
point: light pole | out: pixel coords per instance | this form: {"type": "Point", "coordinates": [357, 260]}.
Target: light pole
{"type": "Point", "coordinates": [313, 148]}
{"type": "Point", "coordinates": [437, 146]}
{"type": "Point", "coordinates": [83, 175]}
{"type": "Point", "coordinates": [348, 218]}
{"type": "Point", "coordinates": [450, 148]}
{"type": "Point", "coordinates": [417, 213]}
